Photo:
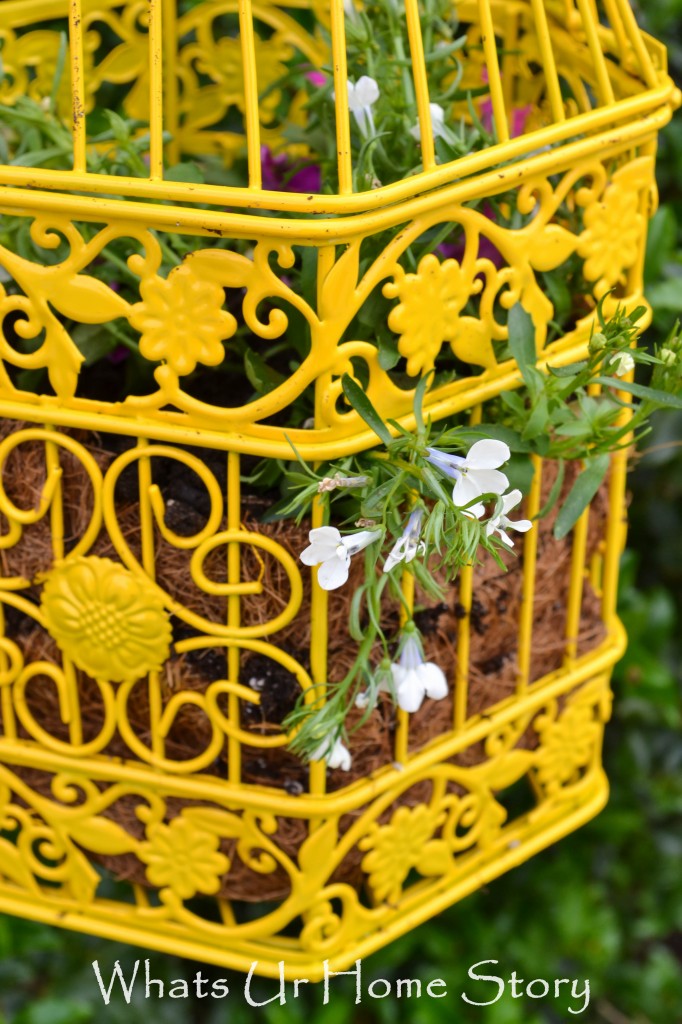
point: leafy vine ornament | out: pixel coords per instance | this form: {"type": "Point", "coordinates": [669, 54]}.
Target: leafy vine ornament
{"type": "Point", "coordinates": [447, 302]}
{"type": "Point", "coordinates": [188, 853]}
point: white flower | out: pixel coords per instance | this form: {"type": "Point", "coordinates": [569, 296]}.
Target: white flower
{"type": "Point", "coordinates": [332, 553]}
{"type": "Point", "coordinates": [475, 475]}
{"type": "Point", "coordinates": [334, 752]}
{"type": "Point", "coordinates": [499, 522]}
{"type": "Point", "coordinates": [408, 545]}
{"type": "Point", "coordinates": [437, 123]}
{"type": "Point", "coordinates": [622, 364]}
{"type": "Point", "coordinates": [415, 678]}
{"type": "Point", "coordinates": [361, 97]}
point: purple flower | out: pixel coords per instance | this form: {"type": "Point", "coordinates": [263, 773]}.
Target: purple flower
{"type": "Point", "coordinates": [519, 116]}
{"type": "Point", "coordinates": [316, 77]}
{"type": "Point", "coordinates": [118, 355]}
{"type": "Point", "coordinates": [282, 174]}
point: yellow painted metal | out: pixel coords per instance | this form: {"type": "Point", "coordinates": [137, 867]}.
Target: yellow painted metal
{"type": "Point", "coordinates": [595, 157]}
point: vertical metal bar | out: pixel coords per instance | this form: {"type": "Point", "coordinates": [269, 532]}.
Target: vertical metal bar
{"type": "Point", "coordinates": [617, 28]}
{"type": "Point", "coordinates": [319, 632]}
{"type": "Point", "coordinates": [144, 476]}
{"type": "Point", "coordinates": [635, 275]}
{"type": "Point", "coordinates": [234, 752]}
{"type": "Point", "coordinates": [547, 55]}
{"type": "Point", "coordinates": [466, 593]}
{"type": "Point", "coordinates": [402, 728]}
{"type": "Point", "coordinates": [494, 76]}
{"type": "Point", "coordinates": [604, 87]}
{"type": "Point", "coordinates": [637, 42]}
{"type": "Point", "coordinates": [141, 896]}
{"type": "Point", "coordinates": [77, 84]}
{"type": "Point", "coordinates": [421, 83]}
{"type": "Point", "coordinates": [251, 113]}
{"type": "Point", "coordinates": [596, 567]}
{"type": "Point", "coordinates": [461, 697]}
{"type": "Point", "coordinates": [616, 527]}
{"type": "Point", "coordinates": [340, 65]}
{"type": "Point", "coordinates": [530, 550]}
{"type": "Point", "coordinates": [319, 598]}
{"type": "Point", "coordinates": [54, 471]}
{"type": "Point", "coordinates": [326, 255]}
{"type": "Point", "coordinates": [155, 90]}
{"type": "Point", "coordinates": [9, 725]}
{"type": "Point", "coordinates": [170, 82]}
{"type": "Point", "coordinates": [226, 913]}
{"type": "Point", "coordinates": [575, 590]}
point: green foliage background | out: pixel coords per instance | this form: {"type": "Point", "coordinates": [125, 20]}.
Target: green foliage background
{"type": "Point", "coordinates": [604, 904]}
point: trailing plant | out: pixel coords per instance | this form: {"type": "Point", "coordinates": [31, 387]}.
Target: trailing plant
{"type": "Point", "coordinates": [432, 499]}
{"type": "Point", "coordinates": [409, 521]}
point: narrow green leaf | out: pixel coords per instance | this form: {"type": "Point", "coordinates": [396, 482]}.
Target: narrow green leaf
{"type": "Point", "coordinates": [581, 494]}
{"type": "Point", "coordinates": [377, 498]}
{"type": "Point", "coordinates": [538, 419]}
{"type": "Point", "coordinates": [261, 377]}
{"type": "Point", "coordinates": [419, 393]}
{"type": "Point", "coordinates": [59, 70]}
{"type": "Point", "coordinates": [663, 398]}
{"type": "Point", "coordinates": [364, 408]}
{"type": "Point", "coordinates": [522, 339]}
{"type": "Point", "coordinates": [38, 156]}
{"type": "Point", "coordinates": [354, 625]}
{"type": "Point", "coordinates": [567, 371]}
{"type": "Point", "coordinates": [434, 483]}
{"type": "Point", "coordinates": [186, 171]}
{"type": "Point", "coordinates": [514, 402]}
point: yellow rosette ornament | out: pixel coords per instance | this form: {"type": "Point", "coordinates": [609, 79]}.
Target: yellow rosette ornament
{"type": "Point", "coordinates": [110, 622]}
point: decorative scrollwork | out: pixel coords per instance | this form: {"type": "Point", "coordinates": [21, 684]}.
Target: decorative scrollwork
{"type": "Point", "coordinates": [457, 301]}
{"type": "Point", "coordinates": [189, 847]}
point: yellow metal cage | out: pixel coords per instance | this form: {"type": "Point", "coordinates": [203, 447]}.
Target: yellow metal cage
{"type": "Point", "coordinates": [427, 828]}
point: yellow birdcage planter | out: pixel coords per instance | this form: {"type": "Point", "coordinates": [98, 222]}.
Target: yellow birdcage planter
{"type": "Point", "coordinates": [380, 854]}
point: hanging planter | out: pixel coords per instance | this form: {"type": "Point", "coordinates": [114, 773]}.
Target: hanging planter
{"type": "Point", "coordinates": [316, 418]}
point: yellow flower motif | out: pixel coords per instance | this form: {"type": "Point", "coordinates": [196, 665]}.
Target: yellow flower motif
{"type": "Point", "coordinates": [225, 66]}
{"type": "Point", "coordinates": [30, 67]}
{"type": "Point", "coordinates": [611, 240]}
{"type": "Point", "coordinates": [567, 747]}
{"type": "Point", "coordinates": [181, 320]}
{"type": "Point", "coordinates": [429, 311]}
{"type": "Point", "coordinates": [395, 849]}
{"type": "Point", "coordinates": [110, 622]}
{"type": "Point", "coordinates": [183, 858]}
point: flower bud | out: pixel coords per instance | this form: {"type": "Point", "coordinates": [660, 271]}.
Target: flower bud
{"type": "Point", "coordinates": [597, 342]}
{"type": "Point", "coordinates": [667, 356]}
